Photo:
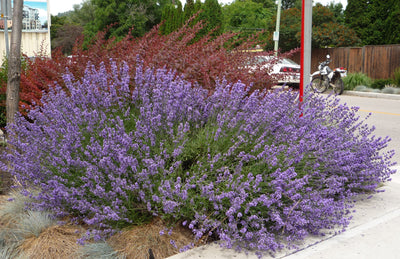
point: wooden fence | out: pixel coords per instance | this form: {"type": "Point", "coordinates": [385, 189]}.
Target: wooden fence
{"type": "Point", "coordinates": [378, 61]}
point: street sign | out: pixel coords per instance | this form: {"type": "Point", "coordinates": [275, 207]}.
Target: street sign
{"type": "Point", "coordinates": [276, 35]}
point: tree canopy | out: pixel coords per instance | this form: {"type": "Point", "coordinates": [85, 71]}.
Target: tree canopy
{"type": "Point", "coordinates": [247, 14]}
{"type": "Point", "coordinates": [210, 12]}
{"type": "Point", "coordinates": [327, 31]}
{"type": "Point", "coordinates": [375, 22]}
{"type": "Point", "coordinates": [172, 17]}
{"type": "Point", "coordinates": [125, 15]}
{"type": "Point", "coordinates": [212, 15]}
{"type": "Point", "coordinates": [287, 4]}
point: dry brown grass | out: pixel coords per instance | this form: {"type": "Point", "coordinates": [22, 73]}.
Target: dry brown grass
{"type": "Point", "coordinates": [59, 242]}
{"type": "Point", "coordinates": [5, 220]}
{"type": "Point", "coordinates": [56, 242]}
{"type": "Point", "coordinates": [136, 242]}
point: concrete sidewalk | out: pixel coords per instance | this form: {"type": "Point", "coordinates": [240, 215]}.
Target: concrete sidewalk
{"type": "Point", "coordinates": [374, 232]}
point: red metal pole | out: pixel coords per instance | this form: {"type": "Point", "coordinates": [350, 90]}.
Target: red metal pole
{"type": "Point", "coordinates": [301, 94]}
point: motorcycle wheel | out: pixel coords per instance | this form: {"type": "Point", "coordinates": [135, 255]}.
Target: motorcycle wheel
{"type": "Point", "coordinates": [338, 86]}
{"type": "Point", "coordinates": [317, 84]}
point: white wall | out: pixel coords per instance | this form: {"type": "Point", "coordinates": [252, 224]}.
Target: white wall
{"type": "Point", "coordinates": [33, 43]}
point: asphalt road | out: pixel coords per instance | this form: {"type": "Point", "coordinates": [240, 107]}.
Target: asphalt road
{"type": "Point", "coordinates": [385, 116]}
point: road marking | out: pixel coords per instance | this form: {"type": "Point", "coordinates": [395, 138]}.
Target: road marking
{"type": "Point", "coordinates": [387, 113]}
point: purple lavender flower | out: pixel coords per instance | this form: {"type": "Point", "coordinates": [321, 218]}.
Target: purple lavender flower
{"type": "Point", "coordinates": [244, 167]}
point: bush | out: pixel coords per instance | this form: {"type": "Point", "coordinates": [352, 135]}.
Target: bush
{"type": "Point", "coordinates": [241, 167]}
{"type": "Point", "coordinates": [353, 80]}
{"type": "Point", "coordinates": [25, 91]}
{"type": "Point", "coordinates": [391, 90]}
{"type": "Point", "coordinates": [396, 76]}
{"type": "Point", "coordinates": [381, 83]}
{"type": "Point", "coordinates": [362, 88]}
{"type": "Point", "coordinates": [204, 62]}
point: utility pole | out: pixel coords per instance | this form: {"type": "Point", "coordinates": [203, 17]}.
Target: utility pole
{"type": "Point", "coordinates": [276, 32]}
{"type": "Point", "coordinates": [305, 55]}
{"type": "Point", "coordinates": [14, 63]}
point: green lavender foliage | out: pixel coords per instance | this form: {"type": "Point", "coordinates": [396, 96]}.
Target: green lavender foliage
{"type": "Point", "coordinates": [245, 167]}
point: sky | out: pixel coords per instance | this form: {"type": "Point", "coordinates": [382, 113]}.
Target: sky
{"type": "Point", "coordinates": [326, 2]}
{"type": "Point", "coordinates": [60, 6]}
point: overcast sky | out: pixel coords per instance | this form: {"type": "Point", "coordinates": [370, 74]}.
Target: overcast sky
{"type": "Point", "coordinates": [60, 6]}
{"type": "Point", "coordinates": [326, 2]}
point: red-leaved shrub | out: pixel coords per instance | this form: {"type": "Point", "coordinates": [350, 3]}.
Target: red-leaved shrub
{"type": "Point", "coordinates": [204, 61]}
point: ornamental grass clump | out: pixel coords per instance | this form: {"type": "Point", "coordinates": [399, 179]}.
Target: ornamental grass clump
{"type": "Point", "coordinates": [242, 167]}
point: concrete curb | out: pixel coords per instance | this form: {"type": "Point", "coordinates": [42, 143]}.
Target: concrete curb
{"type": "Point", "coordinates": [373, 95]}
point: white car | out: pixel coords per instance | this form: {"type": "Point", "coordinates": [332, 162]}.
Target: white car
{"type": "Point", "coordinates": [285, 71]}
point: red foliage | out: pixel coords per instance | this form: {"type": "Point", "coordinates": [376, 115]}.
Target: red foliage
{"type": "Point", "coordinates": [205, 61]}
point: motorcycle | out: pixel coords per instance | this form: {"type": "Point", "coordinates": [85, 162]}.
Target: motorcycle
{"type": "Point", "coordinates": [325, 77]}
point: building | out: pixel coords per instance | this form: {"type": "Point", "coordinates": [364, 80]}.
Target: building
{"type": "Point", "coordinates": [35, 38]}
{"type": "Point", "coordinates": [30, 19]}
{"type": "Point", "coordinates": [9, 24]}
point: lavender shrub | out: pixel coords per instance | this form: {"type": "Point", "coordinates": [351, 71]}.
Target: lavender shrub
{"type": "Point", "coordinates": [243, 167]}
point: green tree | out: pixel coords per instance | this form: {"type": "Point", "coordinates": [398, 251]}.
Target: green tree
{"type": "Point", "coordinates": [289, 32]}
{"type": "Point", "coordinates": [265, 3]}
{"type": "Point", "coordinates": [124, 15]}
{"type": "Point", "coordinates": [287, 4]}
{"type": "Point", "coordinates": [322, 14]}
{"type": "Point", "coordinates": [67, 27]}
{"type": "Point", "coordinates": [172, 17]}
{"type": "Point", "coordinates": [333, 35]}
{"type": "Point", "coordinates": [385, 22]}
{"type": "Point", "coordinates": [375, 22]}
{"type": "Point", "coordinates": [189, 9]}
{"type": "Point", "coordinates": [247, 15]}
{"type": "Point", "coordinates": [326, 30]}
{"type": "Point", "coordinates": [197, 5]}
{"type": "Point", "coordinates": [392, 29]}
{"type": "Point", "coordinates": [56, 23]}
{"type": "Point", "coordinates": [338, 12]}
{"type": "Point", "coordinates": [178, 16]}
{"type": "Point", "coordinates": [82, 14]}
{"type": "Point", "coordinates": [358, 17]}
{"type": "Point", "coordinates": [212, 15]}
